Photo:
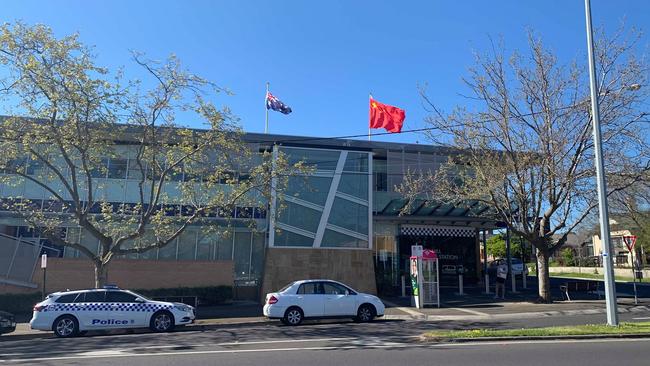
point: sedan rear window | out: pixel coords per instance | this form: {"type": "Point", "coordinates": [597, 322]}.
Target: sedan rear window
{"type": "Point", "coordinates": [67, 299]}
{"type": "Point", "coordinates": [307, 289]}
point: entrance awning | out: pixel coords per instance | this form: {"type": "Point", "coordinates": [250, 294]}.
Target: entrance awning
{"type": "Point", "coordinates": [429, 230]}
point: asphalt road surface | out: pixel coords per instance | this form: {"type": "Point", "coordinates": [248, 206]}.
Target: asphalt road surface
{"type": "Point", "coordinates": [376, 352]}
{"type": "Point", "coordinates": [330, 343]}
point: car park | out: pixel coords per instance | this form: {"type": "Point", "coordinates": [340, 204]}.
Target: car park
{"type": "Point", "coordinates": [71, 313]}
{"type": "Point", "coordinates": [314, 299]}
{"type": "Point", "coordinates": [7, 322]}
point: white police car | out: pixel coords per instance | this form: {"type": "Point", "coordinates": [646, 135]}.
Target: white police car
{"type": "Point", "coordinates": [71, 313]}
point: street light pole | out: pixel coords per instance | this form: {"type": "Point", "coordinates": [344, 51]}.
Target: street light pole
{"type": "Point", "coordinates": [610, 288]}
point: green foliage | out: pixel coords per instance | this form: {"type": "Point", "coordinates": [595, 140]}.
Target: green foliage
{"type": "Point", "coordinates": [496, 246]}
{"type": "Point", "coordinates": [567, 257]}
{"type": "Point", "coordinates": [589, 329]}
{"type": "Point", "coordinates": [82, 117]}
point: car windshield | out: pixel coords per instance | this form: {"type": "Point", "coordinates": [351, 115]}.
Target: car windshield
{"type": "Point", "coordinates": [286, 287]}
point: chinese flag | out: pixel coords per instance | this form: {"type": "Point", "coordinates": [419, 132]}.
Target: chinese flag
{"type": "Point", "coordinates": [386, 116]}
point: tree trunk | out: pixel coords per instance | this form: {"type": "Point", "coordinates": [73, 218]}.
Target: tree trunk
{"type": "Point", "coordinates": [101, 274]}
{"type": "Point", "coordinates": [543, 275]}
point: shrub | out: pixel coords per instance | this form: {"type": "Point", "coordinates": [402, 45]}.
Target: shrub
{"type": "Point", "coordinates": [208, 295]}
{"type": "Point", "coordinates": [19, 303]}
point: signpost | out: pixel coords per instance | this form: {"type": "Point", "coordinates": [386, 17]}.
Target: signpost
{"type": "Point", "coordinates": [630, 241]}
{"type": "Point", "coordinates": [44, 267]}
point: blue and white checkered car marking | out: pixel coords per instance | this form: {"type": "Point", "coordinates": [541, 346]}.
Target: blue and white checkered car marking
{"type": "Point", "coordinates": [107, 306]}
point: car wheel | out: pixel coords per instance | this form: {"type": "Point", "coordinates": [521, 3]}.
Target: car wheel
{"type": "Point", "coordinates": [66, 326]}
{"type": "Point", "coordinates": [365, 313]}
{"type": "Point", "coordinates": [293, 316]}
{"type": "Point", "coordinates": [162, 321]}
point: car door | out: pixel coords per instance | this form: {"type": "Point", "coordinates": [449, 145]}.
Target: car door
{"type": "Point", "coordinates": [124, 310]}
{"type": "Point", "coordinates": [93, 312]}
{"type": "Point", "coordinates": [338, 300]}
{"type": "Point", "coordinates": [310, 299]}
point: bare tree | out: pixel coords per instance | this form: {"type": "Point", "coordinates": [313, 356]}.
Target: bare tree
{"type": "Point", "coordinates": [71, 118]}
{"type": "Point", "coordinates": [525, 140]}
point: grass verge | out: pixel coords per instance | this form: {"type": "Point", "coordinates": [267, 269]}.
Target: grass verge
{"type": "Point", "coordinates": [590, 329]}
{"type": "Point", "coordinates": [591, 276]}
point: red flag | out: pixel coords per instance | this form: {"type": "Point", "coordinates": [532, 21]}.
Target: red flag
{"type": "Point", "coordinates": [386, 116]}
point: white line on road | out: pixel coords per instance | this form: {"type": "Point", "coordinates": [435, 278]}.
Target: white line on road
{"type": "Point", "coordinates": [473, 312]}
{"type": "Point", "coordinates": [119, 353]}
{"type": "Point", "coordinates": [642, 318]}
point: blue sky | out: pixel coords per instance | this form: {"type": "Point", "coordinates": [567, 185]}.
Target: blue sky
{"type": "Point", "coordinates": [323, 58]}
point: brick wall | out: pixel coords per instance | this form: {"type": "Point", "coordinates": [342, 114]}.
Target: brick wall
{"type": "Point", "coordinates": [65, 273]}
{"type": "Point", "coordinates": [351, 266]}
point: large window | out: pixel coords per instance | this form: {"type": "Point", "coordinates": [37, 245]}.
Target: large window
{"type": "Point", "coordinates": [242, 255]}
{"type": "Point", "coordinates": [349, 215]}
{"type": "Point", "coordinates": [285, 238]}
{"type": "Point", "coordinates": [300, 216]}
{"type": "Point", "coordinates": [320, 159]}
{"type": "Point", "coordinates": [312, 189]}
{"type": "Point", "coordinates": [355, 185]}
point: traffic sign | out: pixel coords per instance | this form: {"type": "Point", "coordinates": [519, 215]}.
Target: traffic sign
{"type": "Point", "coordinates": [629, 240]}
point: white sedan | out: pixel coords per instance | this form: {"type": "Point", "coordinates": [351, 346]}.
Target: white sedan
{"type": "Point", "coordinates": [71, 313]}
{"type": "Point", "coordinates": [321, 299]}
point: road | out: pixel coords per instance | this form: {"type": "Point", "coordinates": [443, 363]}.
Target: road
{"type": "Point", "coordinates": [376, 352]}
{"type": "Point", "coordinates": [330, 343]}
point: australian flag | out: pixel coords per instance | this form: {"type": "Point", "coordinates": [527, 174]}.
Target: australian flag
{"type": "Point", "coordinates": [274, 103]}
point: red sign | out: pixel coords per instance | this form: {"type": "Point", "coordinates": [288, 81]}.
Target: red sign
{"type": "Point", "coordinates": [429, 254]}
{"type": "Point", "coordinates": [629, 240]}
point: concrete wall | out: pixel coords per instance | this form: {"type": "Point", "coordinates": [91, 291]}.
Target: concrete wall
{"type": "Point", "coordinates": [353, 267]}
{"type": "Point", "coordinates": [625, 272]}
{"type": "Point", "coordinates": [66, 273]}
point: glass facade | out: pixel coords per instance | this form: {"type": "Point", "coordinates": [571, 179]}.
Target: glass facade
{"type": "Point", "coordinates": [331, 206]}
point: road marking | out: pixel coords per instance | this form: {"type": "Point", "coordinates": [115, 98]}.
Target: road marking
{"type": "Point", "coordinates": [642, 318]}
{"type": "Point", "coordinates": [287, 341]}
{"type": "Point", "coordinates": [473, 312]}
{"type": "Point", "coordinates": [120, 353]}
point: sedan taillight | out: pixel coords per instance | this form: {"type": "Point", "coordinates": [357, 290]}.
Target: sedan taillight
{"type": "Point", "coordinates": [38, 307]}
{"type": "Point", "coordinates": [272, 300]}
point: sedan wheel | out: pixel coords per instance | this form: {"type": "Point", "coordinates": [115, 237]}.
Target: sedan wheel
{"type": "Point", "coordinates": [66, 326]}
{"type": "Point", "coordinates": [162, 322]}
{"type": "Point", "coordinates": [293, 316]}
{"type": "Point", "coordinates": [365, 314]}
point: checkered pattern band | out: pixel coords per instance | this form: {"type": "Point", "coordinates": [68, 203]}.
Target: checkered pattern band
{"type": "Point", "coordinates": [107, 306]}
{"type": "Point", "coordinates": [428, 230]}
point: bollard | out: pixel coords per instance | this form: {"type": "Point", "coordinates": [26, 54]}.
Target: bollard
{"type": "Point", "coordinates": [487, 283]}
{"type": "Point", "coordinates": [523, 279]}
{"type": "Point", "coordinates": [403, 286]}
{"type": "Point", "coordinates": [460, 285]}
{"type": "Point", "coordinates": [513, 280]}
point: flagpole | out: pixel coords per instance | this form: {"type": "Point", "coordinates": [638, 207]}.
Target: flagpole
{"type": "Point", "coordinates": [266, 125]}
{"type": "Point", "coordinates": [370, 98]}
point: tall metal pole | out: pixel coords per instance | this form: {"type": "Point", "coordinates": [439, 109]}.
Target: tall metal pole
{"type": "Point", "coordinates": [266, 96]}
{"type": "Point", "coordinates": [486, 275]}
{"type": "Point", "coordinates": [610, 287]}
{"type": "Point", "coordinates": [369, 131]}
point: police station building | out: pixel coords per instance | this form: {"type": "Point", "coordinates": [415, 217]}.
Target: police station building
{"type": "Point", "coordinates": [341, 222]}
